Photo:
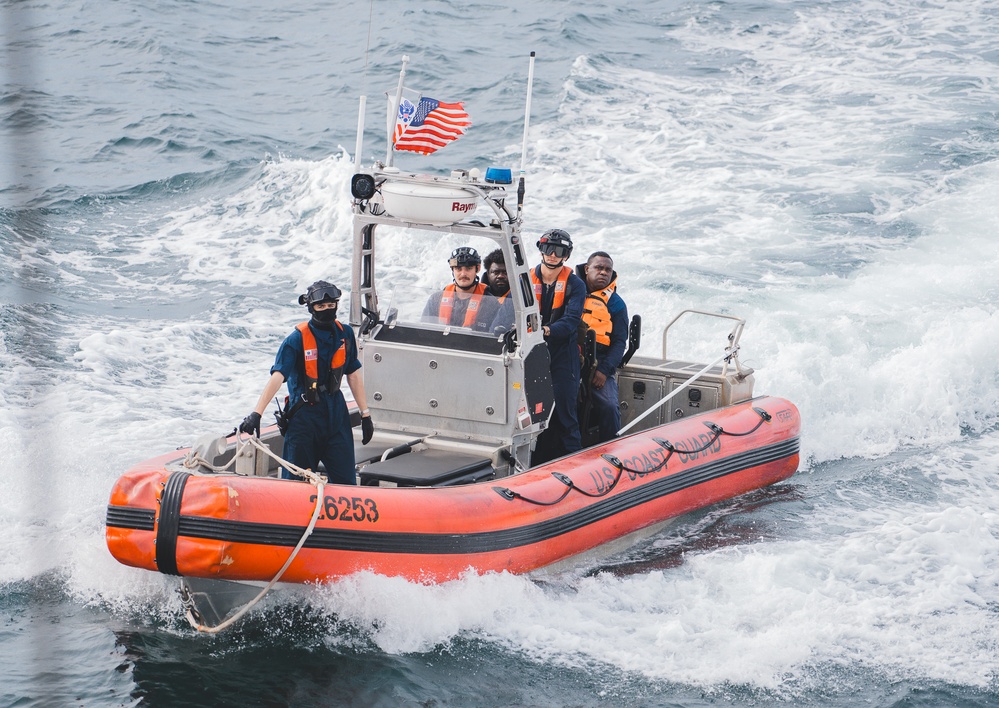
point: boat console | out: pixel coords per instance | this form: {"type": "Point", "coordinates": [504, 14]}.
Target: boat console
{"type": "Point", "coordinates": [485, 388]}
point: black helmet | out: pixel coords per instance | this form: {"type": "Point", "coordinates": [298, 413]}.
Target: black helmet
{"type": "Point", "coordinates": [464, 256]}
{"type": "Point", "coordinates": [319, 291]}
{"type": "Point", "coordinates": [555, 241]}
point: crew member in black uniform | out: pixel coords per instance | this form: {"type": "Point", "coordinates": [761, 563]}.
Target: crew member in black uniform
{"type": "Point", "coordinates": [560, 295]}
{"type": "Point", "coordinates": [605, 313]}
{"type": "Point", "coordinates": [313, 359]}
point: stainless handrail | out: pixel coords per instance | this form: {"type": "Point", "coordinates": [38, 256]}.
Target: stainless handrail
{"type": "Point", "coordinates": [733, 336]}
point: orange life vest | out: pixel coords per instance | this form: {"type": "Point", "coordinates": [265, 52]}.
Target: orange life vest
{"type": "Point", "coordinates": [447, 304]}
{"type": "Point", "coordinates": [596, 316]}
{"type": "Point", "coordinates": [311, 353]}
{"type": "Point", "coordinates": [560, 288]}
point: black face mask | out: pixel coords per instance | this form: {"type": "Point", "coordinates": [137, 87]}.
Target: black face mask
{"type": "Point", "coordinates": [323, 319]}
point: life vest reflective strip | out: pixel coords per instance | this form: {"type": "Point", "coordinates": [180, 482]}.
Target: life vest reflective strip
{"type": "Point", "coordinates": [311, 353]}
{"type": "Point", "coordinates": [447, 304]}
{"type": "Point", "coordinates": [596, 316]}
{"type": "Point", "coordinates": [560, 288]}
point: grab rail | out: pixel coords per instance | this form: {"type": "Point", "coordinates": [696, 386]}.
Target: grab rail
{"type": "Point", "coordinates": [733, 336]}
{"type": "Point", "coordinates": [727, 355]}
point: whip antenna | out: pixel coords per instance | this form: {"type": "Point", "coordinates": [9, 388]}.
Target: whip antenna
{"type": "Point", "coordinates": [363, 99]}
{"type": "Point", "coordinates": [527, 125]}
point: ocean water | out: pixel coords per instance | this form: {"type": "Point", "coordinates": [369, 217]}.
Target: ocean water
{"type": "Point", "coordinates": [173, 174]}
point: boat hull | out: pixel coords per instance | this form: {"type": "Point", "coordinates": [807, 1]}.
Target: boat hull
{"type": "Point", "coordinates": [230, 527]}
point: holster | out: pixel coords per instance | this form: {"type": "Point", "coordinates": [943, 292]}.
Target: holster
{"type": "Point", "coordinates": [283, 415]}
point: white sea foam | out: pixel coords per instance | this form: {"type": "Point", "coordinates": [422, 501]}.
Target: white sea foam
{"type": "Point", "coordinates": [289, 228]}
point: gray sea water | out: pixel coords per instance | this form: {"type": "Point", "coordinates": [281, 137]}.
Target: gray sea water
{"type": "Point", "coordinates": [174, 173]}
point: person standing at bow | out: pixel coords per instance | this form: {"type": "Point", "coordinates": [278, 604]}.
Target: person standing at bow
{"type": "Point", "coordinates": [313, 359]}
{"type": "Point", "coordinates": [606, 314]}
{"type": "Point", "coordinates": [465, 302]}
{"type": "Point", "coordinates": [560, 294]}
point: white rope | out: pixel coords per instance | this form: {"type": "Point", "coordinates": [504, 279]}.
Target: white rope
{"type": "Point", "coordinates": [194, 460]}
{"type": "Point", "coordinates": [320, 482]}
{"type": "Point", "coordinates": [320, 488]}
{"type": "Point", "coordinates": [295, 470]}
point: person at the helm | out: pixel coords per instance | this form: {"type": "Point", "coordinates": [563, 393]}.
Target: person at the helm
{"type": "Point", "coordinates": [560, 295]}
{"type": "Point", "coordinates": [313, 359]}
{"type": "Point", "coordinates": [465, 302]}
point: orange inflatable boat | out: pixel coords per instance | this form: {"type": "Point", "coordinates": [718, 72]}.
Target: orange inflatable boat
{"type": "Point", "coordinates": [165, 518]}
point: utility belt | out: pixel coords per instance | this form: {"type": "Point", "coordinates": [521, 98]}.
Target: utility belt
{"type": "Point", "coordinates": [285, 413]}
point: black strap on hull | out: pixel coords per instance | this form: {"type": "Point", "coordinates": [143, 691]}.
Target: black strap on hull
{"type": "Point", "coordinates": [169, 523]}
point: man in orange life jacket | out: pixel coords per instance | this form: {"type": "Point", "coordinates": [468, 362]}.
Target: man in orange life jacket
{"type": "Point", "coordinates": [494, 275]}
{"type": "Point", "coordinates": [313, 360]}
{"type": "Point", "coordinates": [560, 295]}
{"type": "Point", "coordinates": [606, 314]}
{"type": "Point", "coordinates": [465, 302]}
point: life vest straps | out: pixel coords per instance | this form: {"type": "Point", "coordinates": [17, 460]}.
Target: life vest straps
{"type": "Point", "coordinates": [310, 351]}
{"type": "Point", "coordinates": [447, 304]}
{"type": "Point", "coordinates": [596, 315]}
{"type": "Point", "coordinates": [561, 285]}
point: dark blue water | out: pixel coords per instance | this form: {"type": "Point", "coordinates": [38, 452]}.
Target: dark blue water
{"type": "Point", "coordinates": [174, 173]}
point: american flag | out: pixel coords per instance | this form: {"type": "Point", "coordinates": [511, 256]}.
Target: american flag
{"type": "Point", "coordinates": [431, 127]}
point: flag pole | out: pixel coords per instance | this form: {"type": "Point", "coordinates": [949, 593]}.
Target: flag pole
{"type": "Point", "coordinates": [527, 124]}
{"type": "Point", "coordinates": [393, 115]}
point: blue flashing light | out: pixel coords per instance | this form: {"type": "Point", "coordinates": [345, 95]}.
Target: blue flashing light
{"type": "Point", "coordinates": [499, 175]}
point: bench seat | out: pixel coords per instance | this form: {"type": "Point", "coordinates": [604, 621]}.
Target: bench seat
{"type": "Point", "coordinates": [428, 468]}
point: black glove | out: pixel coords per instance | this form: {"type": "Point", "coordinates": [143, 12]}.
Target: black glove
{"type": "Point", "coordinates": [251, 424]}
{"type": "Point", "coordinates": [367, 429]}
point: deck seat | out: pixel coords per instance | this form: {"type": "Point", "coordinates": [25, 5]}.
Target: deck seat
{"type": "Point", "coordinates": [428, 468]}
